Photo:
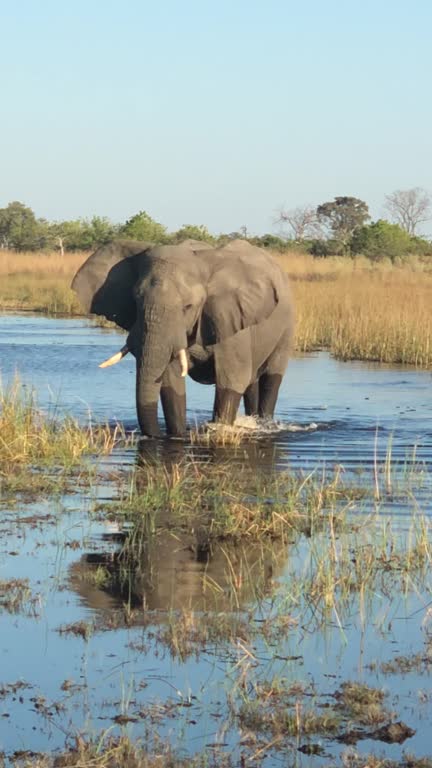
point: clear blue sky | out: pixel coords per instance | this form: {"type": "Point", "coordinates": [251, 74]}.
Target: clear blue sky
{"type": "Point", "coordinates": [212, 112]}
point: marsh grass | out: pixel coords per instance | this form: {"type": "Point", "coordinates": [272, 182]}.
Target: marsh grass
{"type": "Point", "coordinates": [338, 557]}
{"type": "Point", "coordinates": [375, 313]}
{"type": "Point", "coordinates": [352, 567]}
{"type": "Point", "coordinates": [15, 594]}
{"type": "Point", "coordinates": [353, 760]}
{"type": "Point", "coordinates": [37, 448]}
{"type": "Point", "coordinates": [420, 662]}
{"type": "Point", "coordinates": [210, 498]}
{"type": "Point", "coordinates": [39, 281]}
{"type": "Point", "coordinates": [189, 632]}
{"type": "Point", "coordinates": [327, 582]}
{"type": "Point", "coordinates": [283, 709]}
{"type": "Point", "coordinates": [83, 629]}
{"type": "Point", "coordinates": [109, 752]}
{"type": "Point", "coordinates": [362, 703]}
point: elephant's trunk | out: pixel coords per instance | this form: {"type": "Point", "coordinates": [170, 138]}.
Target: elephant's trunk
{"type": "Point", "coordinates": [150, 364]}
{"type": "Point", "coordinates": [152, 359]}
{"type": "Point", "coordinates": [147, 396]}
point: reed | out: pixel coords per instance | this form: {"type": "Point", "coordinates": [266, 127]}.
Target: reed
{"type": "Point", "coordinates": [39, 281]}
{"type": "Point", "coordinates": [210, 499]}
{"type": "Point", "coordinates": [30, 438]}
{"type": "Point", "coordinates": [359, 309]}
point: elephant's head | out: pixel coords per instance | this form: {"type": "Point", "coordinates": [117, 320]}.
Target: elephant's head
{"type": "Point", "coordinates": [155, 293]}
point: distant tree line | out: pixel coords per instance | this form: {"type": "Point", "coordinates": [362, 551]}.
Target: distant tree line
{"type": "Point", "coordinates": [20, 230]}
{"type": "Point", "coordinates": [343, 227]}
{"type": "Point", "coordinates": [338, 227]}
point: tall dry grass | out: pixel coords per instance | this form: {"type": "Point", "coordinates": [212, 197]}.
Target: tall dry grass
{"type": "Point", "coordinates": [356, 308]}
{"type": "Point", "coordinates": [30, 437]}
{"type": "Point", "coordinates": [363, 310]}
{"type": "Point", "coordinates": [39, 281]}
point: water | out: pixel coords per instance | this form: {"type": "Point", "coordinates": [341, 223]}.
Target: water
{"type": "Point", "coordinates": [357, 407]}
{"type": "Point", "coordinates": [346, 414]}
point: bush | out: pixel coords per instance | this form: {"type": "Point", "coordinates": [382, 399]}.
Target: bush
{"type": "Point", "coordinates": [143, 227]}
{"type": "Point", "coordinates": [192, 232]}
{"type": "Point", "coordinates": [381, 240]}
{"type": "Point", "coordinates": [271, 241]}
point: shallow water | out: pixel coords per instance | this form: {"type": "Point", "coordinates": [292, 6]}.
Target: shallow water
{"type": "Point", "coordinates": [358, 409]}
{"type": "Point", "coordinates": [348, 414]}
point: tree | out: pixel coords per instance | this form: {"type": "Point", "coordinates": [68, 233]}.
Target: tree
{"type": "Point", "coordinates": [82, 234]}
{"type": "Point", "coordinates": [409, 207]}
{"type": "Point", "coordinates": [302, 221]}
{"type": "Point", "coordinates": [19, 228]}
{"type": "Point", "coordinates": [381, 240]}
{"type": "Point", "coordinates": [273, 242]}
{"type": "Point", "coordinates": [66, 235]}
{"type": "Point", "coordinates": [143, 227]}
{"type": "Point", "coordinates": [343, 216]}
{"type": "Point", "coordinates": [193, 232]}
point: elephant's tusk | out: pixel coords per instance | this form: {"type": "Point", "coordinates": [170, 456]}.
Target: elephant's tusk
{"type": "Point", "coordinates": [115, 358]}
{"type": "Point", "coordinates": [183, 362]}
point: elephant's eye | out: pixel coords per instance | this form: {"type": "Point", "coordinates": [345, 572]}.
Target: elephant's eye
{"type": "Point", "coordinates": [188, 306]}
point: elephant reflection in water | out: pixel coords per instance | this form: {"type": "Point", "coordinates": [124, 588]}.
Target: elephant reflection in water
{"type": "Point", "coordinates": [160, 570]}
{"type": "Point", "coordinates": [173, 575]}
{"type": "Point", "coordinates": [259, 457]}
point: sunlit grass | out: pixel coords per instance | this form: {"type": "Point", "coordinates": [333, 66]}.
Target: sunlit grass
{"type": "Point", "coordinates": [31, 440]}
{"type": "Point", "coordinates": [224, 504]}
{"type": "Point", "coordinates": [39, 281]}
{"type": "Point", "coordinates": [363, 310]}
{"type": "Point", "coordinates": [27, 434]}
{"type": "Point", "coordinates": [109, 752]}
{"type": "Point", "coordinates": [339, 550]}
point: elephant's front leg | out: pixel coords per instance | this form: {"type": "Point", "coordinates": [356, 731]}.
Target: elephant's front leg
{"type": "Point", "coordinates": [173, 398]}
{"type": "Point", "coordinates": [226, 405]}
{"type": "Point", "coordinates": [233, 373]}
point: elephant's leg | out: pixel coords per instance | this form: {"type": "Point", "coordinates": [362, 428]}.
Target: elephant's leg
{"type": "Point", "coordinates": [226, 405]}
{"type": "Point", "coordinates": [270, 379]}
{"type": "Point", "coordinates": [173, 398]}
{"type": "Point", "coordinates": [269, 384]}
{"type": "Point", "coordinates": [233, 374]}
{"type": "Point", "coordinates": [251, 399]}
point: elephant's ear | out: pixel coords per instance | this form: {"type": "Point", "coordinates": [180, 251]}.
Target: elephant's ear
{"type": "Point", "coordinates": [105, 281]}
{"type": "Point", "coordinates": [243, 291]}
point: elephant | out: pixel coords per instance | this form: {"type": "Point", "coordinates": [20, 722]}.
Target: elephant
{"type": "Point", "coordinates": [223, 315]}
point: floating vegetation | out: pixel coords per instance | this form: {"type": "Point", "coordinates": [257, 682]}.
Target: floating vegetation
{"type": "Point", "coordinates": [82, 629]}
{"type": "Point", "coordinates": [16, 596]}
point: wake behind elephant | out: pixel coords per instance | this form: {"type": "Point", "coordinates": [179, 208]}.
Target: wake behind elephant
{"type": "Point", "coordinates": [223, 315]}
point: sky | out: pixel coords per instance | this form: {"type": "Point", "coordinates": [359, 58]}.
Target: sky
{"type": "Point", "coordinates": [214, 112]}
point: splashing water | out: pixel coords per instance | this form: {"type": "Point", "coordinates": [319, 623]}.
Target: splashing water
{"type": "Point", "coordinates": [255, 425]}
